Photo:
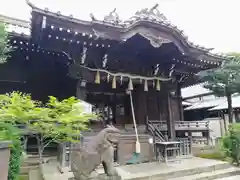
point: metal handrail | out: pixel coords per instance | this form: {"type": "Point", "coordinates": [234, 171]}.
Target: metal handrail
{"type": "Point", "coordinates": [155, 131]}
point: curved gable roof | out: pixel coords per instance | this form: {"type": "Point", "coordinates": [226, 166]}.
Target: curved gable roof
{"type": "Point", "coordinates": [148, 22]}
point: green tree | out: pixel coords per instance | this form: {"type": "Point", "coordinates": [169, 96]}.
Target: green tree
{"type": "Point", "coordinates": [4, 47]}
{"type": "Point", "coordinates": [56, 121]}
{"type": "Point", "coordinates": [225, 80]}
{"type": "Point", "coordinates": [19, 108]}
{"type": "Point", "coordinates": [64, 122]}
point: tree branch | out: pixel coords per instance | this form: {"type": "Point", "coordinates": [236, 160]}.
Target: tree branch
{"type": "Point", "coordinates": [52, 140]}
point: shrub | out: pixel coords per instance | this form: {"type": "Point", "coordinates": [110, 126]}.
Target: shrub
{"type": "Point", "coordinates": [15, 161]}
{"type": "Point", "coordinates": [231, 144]}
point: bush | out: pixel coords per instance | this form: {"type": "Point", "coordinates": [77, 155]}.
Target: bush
{"type": "Point", "coordinates": [231, 144]}
{"type": "Point", "coordinates": [9, 132]}
{"type": "Point", "coordinates": [15, 162]}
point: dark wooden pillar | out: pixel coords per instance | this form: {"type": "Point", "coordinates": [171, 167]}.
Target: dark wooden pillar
{"type": "Point", "coordinates": [170, 120]}
{"type": "Point", "coordinates": [179, 99]}
{"type": "Point", "coordinates": [81, 92]}
{"type": "Point", "coordinates": [140, 106]}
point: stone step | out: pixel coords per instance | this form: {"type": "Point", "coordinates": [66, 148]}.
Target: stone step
{"type": "Point", "coordinates": [30, 163]}
{"type": "Point", "coordinates": [222, 173]}
{"type": "Point", "coordinates": [183, 170]}
{"type": "Point", "coordinates": [26, 169]}
{"type": "Point", "coordinates": [34, 175]}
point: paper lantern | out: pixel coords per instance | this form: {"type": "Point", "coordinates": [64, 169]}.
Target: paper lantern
{"type": "Point", "coordinates": [145, 85]}
{"type": "Point", "coordinates": [97, 78]}
{"type": "Point", "coordinates": [130, 84]}
{"type": "Point", "coordinates": [114, 82]}
{"type": "Point", "coordinates": [153, 83]}
{"type": "Point", "coordinates": [158, 85]}
{"type": "Point", "coordinates": [108, 77]}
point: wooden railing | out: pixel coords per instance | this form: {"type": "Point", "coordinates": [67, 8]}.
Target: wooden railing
{"type": "Point", "coordinates": [183, 125]}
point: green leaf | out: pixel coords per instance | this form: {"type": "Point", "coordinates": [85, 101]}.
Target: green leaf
{"type": "Point", "coordinates": [225, 79]}
{"type": "Point", "coordinates": [5, 49]}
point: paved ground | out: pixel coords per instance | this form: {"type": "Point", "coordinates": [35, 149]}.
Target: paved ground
{"type": "Point", "coordinates": [130, 171]}
{"type": "Point", "coordinates": [156, 168]}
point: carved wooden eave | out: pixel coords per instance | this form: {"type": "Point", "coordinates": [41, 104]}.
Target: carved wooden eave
{"type": "Point", "coordinates": [149, 23]}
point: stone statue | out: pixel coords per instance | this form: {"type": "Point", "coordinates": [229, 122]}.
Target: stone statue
{"type": "Point", "coordinates": [100, 150]}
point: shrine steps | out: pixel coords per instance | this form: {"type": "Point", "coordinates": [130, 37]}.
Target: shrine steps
{"type": "Point", "coordinates": [191, 169]}
{"type": "Point", "coordinates": [222, 173]}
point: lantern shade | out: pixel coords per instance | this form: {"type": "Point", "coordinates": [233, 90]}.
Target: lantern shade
{"type": "Point", "coordinates": [114, 82]}
{"type": "Point", "coordinates": [145, 85]}
{"type": "Point", "coordinates": [130, 84]}
{"type": "Point", "coordinates": [97, 78]}
{"type": "Point", "coordinates": [158, 85]}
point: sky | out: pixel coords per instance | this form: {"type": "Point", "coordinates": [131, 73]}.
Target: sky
{"type": "Point", "coordinates": [210, 23]}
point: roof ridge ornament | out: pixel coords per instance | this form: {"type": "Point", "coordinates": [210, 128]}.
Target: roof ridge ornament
{"type": "Point", "coordinates": [112, 18]}
{"type": "Point", "coordinates": [155, 12]}
{"type": "Point", "coordinates": [152, 14]}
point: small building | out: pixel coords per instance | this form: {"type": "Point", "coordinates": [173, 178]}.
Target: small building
{"type": "Point", "coordinates": [201, 103]}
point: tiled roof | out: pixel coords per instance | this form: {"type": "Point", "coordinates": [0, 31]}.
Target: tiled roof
{"type": "Point", "coordinates": [206, 104]}
{"type": "Point", "coordinates": [146, 15]}
{"type": "Point", "coordinates": [224, 105]}
{"type": "Point", "coordinates": [219, 103]}
{"type": "Point", "coordinates": [17, 26]}
{"type": "Point", "coordinates": [184, 103]}
{"type": "Point", "coordinates": [195, 90]}
{"type": "Point", "coordinates": [18, 30]}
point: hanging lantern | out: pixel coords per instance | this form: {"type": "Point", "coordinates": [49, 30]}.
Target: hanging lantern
{"type": "Point", "coordinates": [84, 55]}
{"type": "Point", "coordinates": [158, 85]}
{"type": "Point", "coordinates": [121, 80]}
{"type": "Point", "coordinates": [114, 82]}
{"type": "Point", "coordinates": [108, 77]}
{"type": "Point", "coordinates": [145, 85]}
{"type": "Point", "coordinates": [130, 84]}
{"type": "Point", "coordinates": [153, 83]}
{"type": "Point", "coordinates": [97, 78]}
{"type": "Point", "coordinates": [140, 81]}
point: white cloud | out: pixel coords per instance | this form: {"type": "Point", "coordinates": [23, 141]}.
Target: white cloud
{"type": "Point", "coordinates": [211, 23]}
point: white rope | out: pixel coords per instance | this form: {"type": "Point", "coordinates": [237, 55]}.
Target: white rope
{"type": "Point", "coordinates": [126, 74]}
{"type": "Point", "coordinates": [135, 125]}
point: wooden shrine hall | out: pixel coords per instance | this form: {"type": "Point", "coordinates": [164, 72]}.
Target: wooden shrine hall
{"type": "Point", "coordinates": [102, 60]}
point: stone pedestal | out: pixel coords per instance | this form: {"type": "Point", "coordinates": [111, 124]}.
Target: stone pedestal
{"type": "Point", "coordinates": [64, 158]}
{"type": "Point", "coordinates": [127, 147]}
{"type": "Point", "coordinates": [4, 159]}
{"type": "Point", "coordinates": [102, 177]}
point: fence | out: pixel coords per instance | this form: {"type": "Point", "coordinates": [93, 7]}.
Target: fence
{"type": "Point", "coordinates": [185, 146]}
